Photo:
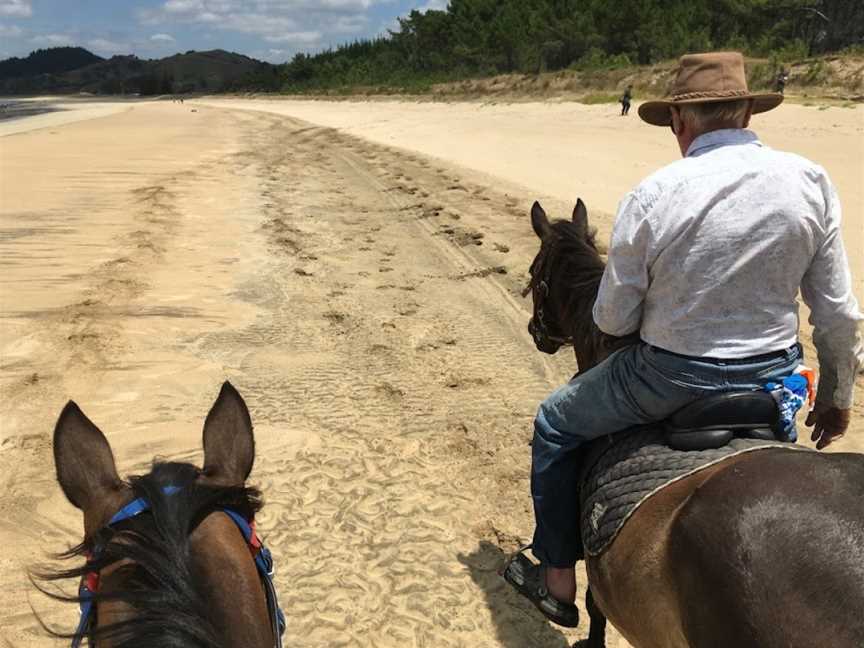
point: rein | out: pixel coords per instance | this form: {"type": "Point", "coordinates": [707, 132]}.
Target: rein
{"type": "Point", "coordinates": [261, 555]}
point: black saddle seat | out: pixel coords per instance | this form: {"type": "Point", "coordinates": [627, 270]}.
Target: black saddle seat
{"type": "Point", "coordinates": [714, 421]}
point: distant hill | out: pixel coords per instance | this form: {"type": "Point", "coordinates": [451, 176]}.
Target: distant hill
{"type": "Point", "coordinates": [211, 71]}
{"type": "Point", "coordinates": [55, 60]}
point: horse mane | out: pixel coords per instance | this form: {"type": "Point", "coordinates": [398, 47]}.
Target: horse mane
{"type": "Point", "coordinates": [162, 585]}
{"type": "Point", "coordinates": [581, 266]}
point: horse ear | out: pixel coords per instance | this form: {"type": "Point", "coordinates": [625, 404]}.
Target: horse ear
{"type": "Point", "coordinates": [229, 445]}
{"type": "Point", "coordinates": [83, 459]}
{"type": "Point", "coordinates": [580, 217]}
{"type": "Point", "coordinates": [539, 221]}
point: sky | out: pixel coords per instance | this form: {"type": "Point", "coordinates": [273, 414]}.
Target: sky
{"type": "Point", "coordinates": [268, 30]}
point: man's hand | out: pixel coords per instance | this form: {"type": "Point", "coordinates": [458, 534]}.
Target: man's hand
{"type": "Point", "coordinates": [831, 424]}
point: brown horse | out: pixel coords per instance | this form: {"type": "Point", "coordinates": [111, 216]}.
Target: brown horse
{"type": "Point", "coordinates": [763, 550]}
{"type": "Point", "coordinates": [169, 562]}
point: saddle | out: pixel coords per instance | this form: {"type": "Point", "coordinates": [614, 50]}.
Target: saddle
{"type": "Point", "coordinates": [713, 422]}
{"type": "Point", "coordinates": [621, 471]}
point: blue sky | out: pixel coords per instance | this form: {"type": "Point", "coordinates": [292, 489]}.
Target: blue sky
{"type": "Point", "coordinates": [271, 30]}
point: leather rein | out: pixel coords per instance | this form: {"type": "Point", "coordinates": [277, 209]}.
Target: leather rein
{"type": "Point", "coordinates": [261, 555]}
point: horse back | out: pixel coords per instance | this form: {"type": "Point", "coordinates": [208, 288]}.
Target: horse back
{"type": "Point", "coordinates": [762, 550]}
{"type": "Point", "coordinates": [770, 553]}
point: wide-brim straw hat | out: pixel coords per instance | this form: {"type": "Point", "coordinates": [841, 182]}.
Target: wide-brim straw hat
{"type": "Point", "coordinates": [708, 78]}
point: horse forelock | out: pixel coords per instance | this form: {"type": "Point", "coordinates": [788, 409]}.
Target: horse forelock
{"type": "Point", "coordinates": [160, 584]}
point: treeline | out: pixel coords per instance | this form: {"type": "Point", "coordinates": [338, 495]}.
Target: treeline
{"type": "Point", "coordinates": [486, 37]}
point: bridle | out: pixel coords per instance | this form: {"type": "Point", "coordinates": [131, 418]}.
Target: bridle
{"type": "Point", "coordinates": [260, 554]}
{"type": "Point", "coordinates": [538, 326]}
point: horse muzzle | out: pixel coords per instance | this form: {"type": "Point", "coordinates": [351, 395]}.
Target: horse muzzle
{"type": "Point", "coordinates": [541, 341]}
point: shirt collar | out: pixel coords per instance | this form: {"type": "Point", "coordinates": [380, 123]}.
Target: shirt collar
{"type": "Point", "coordinates": [723, 137]}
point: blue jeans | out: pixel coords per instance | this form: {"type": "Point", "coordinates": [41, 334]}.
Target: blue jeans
{"type": "Point", "coordinates": [636, 385]}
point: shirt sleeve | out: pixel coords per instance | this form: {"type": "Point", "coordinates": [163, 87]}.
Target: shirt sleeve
{"type": "Point", "coordinates": [827, 289]}
{"type": "Point", "coordinates": [621, 297]}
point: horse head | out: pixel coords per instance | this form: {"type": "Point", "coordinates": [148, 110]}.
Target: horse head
{"type": "Point", "coordinates": [171, 556]}
{"type": "Point", "coordinates": [565, 278]}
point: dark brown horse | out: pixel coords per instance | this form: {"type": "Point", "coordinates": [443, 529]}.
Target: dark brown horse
{"type": "Point", "coordinates": [763, 550]}
{"type": "Point", "coordinates": [177, 569]}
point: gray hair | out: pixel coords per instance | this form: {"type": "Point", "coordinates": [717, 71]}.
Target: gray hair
{"type": "Point", "coordinates": [704, 117]}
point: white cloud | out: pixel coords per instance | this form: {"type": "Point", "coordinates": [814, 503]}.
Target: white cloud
{"type": "Point", "coordinates": [10, 31]}
{"type": "Point", "coordinates": [270, 19]}
{"type": "Point", "coordinates": [162, 38]}
{"type": "Point", "coordinates": [349, 24]}
{"type": "Point", "coordinates": [436, 5]}
{"type": "Point", "coordinates": [183, 6]}
{"type": "Point", "coordinates": [261, 24]}
{"type": "Point", "coordinates": [104, 46]}
{"type": "Point", "coordinates": [53, 40]}
{"type": "Point", "coordinates": [300, 38]}
{"type": "Point", "coordinates": [290, 25]}
{"type": "Point", "coordinates": [19, 8]}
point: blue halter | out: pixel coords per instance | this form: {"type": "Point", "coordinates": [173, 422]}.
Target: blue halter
{"type": "Point", "coordinates": [263, 562]}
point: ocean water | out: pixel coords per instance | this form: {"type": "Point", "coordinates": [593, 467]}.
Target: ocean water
{"type": "Point", "coordinates": [18, 108]}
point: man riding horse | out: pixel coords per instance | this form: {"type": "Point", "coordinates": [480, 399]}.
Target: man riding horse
{"type": "Point", "coordinates": [706, 260]}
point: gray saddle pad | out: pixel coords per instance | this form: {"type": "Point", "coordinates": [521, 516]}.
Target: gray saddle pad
{"type": "Point", "coordinates": [624, 470]}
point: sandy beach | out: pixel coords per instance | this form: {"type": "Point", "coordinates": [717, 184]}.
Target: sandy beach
{"type": "Point", "coordinates": [355, 269]}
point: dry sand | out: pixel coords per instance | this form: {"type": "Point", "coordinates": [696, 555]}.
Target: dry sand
{"type": "Point", "coordinates": [356, 275]}
{"type": "Point", "coordinates": [565, 150]}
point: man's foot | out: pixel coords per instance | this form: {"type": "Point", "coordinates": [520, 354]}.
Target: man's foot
{"type": "Point", "coordinates": [562, 583]}
{"type": "Point", "coordinates": [530, 580]}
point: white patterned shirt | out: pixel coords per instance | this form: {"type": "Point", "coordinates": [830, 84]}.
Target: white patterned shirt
{"type": "Point", "coordinates": [708, 254]}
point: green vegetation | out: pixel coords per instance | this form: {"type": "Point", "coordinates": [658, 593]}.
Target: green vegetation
{"type": "Point", "coordinates": [478, 38]}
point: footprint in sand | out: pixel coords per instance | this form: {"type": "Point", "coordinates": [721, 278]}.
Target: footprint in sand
{"type": "Point", "coordinates": [408, 310]}
{"type": "Point", "coordinates": [335, 317]}
{"type": "Point", "coordinates": [431, 211]}
{"type": "Point", "coordinates": [482, 272]}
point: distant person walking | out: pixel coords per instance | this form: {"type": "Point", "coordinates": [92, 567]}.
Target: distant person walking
{"type": "Point", "coordinates": [780, 82]}
{"type": "Point", "coordinates": [625, 100]}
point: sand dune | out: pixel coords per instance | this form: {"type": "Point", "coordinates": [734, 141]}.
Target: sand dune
{"type": "Point", "coordinates": [354, 269]}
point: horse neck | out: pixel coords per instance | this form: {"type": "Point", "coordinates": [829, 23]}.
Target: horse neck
{"type": "Point", "coordinates": [576, 314]}
{"type": "Point", "coordinates": [206, 589]}
{"type": "Point", "coordinates": [225, 574]}
{"type": "Point", "coordinates": [231, 583]}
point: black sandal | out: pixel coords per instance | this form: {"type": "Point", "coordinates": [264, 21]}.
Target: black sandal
{"type": "Point", "coordinates": [529, 579]}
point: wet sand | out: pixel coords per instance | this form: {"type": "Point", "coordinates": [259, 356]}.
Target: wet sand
{"type": "Point", "coordinates": [354, 269]}
{"type": "Point", "coordinates": [23, 115]}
